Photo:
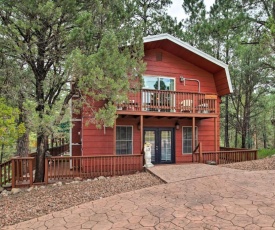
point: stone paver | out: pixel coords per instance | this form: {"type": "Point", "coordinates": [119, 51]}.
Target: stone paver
{"type": "Point", "coordinates": [196, 196]}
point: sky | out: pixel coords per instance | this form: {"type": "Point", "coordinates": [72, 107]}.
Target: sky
{"type": "Point", "coordinates": [176, 9]}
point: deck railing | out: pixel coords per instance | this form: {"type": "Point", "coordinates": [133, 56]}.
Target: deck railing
{"type": "Point", "coordinates": [60, 168]}
{"type": "Point", "coordinates": [170, 101]}
{"type": "Point", "coordinates": [19, 171]}
{"type": "Point", "coordinates": [225, 157]}
{"type": "Point", "coordinates": [5, 173]}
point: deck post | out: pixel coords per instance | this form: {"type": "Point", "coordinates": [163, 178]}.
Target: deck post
{"type": "Point", "coordinates": [114, 145]}
{"type": "Point", "coordinates": [200, 152]}
{"type": "Point", "coordinates": [13, 173]}
{"type": "Point", "coordinates": [193, 132]}
{"type": "Point", "coordinates": [141, 132]}
{"type": "Point", "coordinates": [46, 171]}
{"type": "Point", "coordinates": [215, 139]}
{"type": "Point", "coordinates": [31, 171]}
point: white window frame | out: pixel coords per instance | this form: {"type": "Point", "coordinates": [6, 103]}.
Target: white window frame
{"type": "Point", "coordinates": [158, 76]}
{"type": "Point", "coordinates": [146, 98]}
{"type": "Point", "coordinates": [124, 140]}
{"type": "Point", "coordinates": [196, 137]}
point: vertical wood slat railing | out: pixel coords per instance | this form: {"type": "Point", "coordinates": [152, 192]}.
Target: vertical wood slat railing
{"type": "Point", "coordinates": [226, 157]}
{"type": "Point", "coordinates": [18, 171]}
{"type": "Point", "coordinates": [169, 101]}
{"type": "Point", "coordinates": [5, 173]}
{"type": "Point", "coordinates": [22, 171]}
{"type": "Point", "coordinates": [61, 168]}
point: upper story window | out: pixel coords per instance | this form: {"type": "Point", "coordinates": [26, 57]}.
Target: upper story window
{"type": "Point", "coordinates": [159, 83]}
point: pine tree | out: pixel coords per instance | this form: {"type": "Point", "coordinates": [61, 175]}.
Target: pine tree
{"type": "Point", "coordinates": [69, 41]}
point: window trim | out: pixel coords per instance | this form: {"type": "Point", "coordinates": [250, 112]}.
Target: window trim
{"type": "Point", "coordinates": [196, 137]}
{"type": "Point", "coordinates": [131, 140]}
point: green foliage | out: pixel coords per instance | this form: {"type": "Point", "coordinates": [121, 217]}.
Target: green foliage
{"type": "Point", "coordinates": [262, 153]}
{"type": "Point", "coordinates": [10, 130]}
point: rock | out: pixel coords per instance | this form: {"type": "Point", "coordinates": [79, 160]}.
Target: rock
{"type": "Point", "coordinates": [59, 183]}
{"type": "Point", "coordinates": [88, 180]}
{"type": "Point", "coordinates": [29, 189]}
{"type": "Point", "coordinates": [95, 179]}
{"type": "Point", "coordinates": [102, 178]}
{"type": "Point", "coordinates": [75, 182]}
{"type": "Point", "coordinates": [5, 193]}
{"type": "Point", "coordinates": [1, 189]}
{"type": "Point", "coordinates": [211, 162]}
{"type": "Point", "coordinates": [15, 190]}
{"type": "Point", "coordinates": [42, 187]}
{"type": "Point", "coordinates": [78, 179]}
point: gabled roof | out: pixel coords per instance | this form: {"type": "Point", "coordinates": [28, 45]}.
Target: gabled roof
{"type": "Point", "coordinates": [197, 57]}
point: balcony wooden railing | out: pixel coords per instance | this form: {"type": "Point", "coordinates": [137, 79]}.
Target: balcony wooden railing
{"type": "Point", "coordinates": [170, 101]}
{"type": "Point", "coordinates": [224, 157]}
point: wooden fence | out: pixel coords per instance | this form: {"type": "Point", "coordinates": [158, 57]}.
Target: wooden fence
{"type": "Point", "coordinates": [225, 156]}
{"type": "Point", "coordinates": [60, 168]}
{"type": "Point", "coordinates": [19, 171]}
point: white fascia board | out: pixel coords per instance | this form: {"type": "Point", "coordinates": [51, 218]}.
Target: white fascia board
{"type": "Point", "coordinates": [229, 80]}
{"type": "Point", "coordinates": [192, 49]}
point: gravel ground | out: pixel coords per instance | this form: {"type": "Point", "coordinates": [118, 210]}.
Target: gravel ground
{"type": "Point", "coordinates": [42, 200]}
{"type": "Point", "coordinates": [255, 165]}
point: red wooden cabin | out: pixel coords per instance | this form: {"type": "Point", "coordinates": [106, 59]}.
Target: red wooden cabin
{"type": "Point", "coordinates": [178, 107]}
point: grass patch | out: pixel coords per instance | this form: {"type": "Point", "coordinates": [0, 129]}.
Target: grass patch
{"type": "Point", "coordinates": [262, 153]}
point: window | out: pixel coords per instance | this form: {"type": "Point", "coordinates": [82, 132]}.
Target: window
{"type": "Point", "coordinates": [124, 140]}
{"type": "Point", "coordinates": [156, 95]}
{"type": "Point", "coordinates": [187, 139]}
{"type": "Point", "coordinates": [159, 83]}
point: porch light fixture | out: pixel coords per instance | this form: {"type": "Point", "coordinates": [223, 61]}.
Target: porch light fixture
{"type": "Point", "coordinates": [177, 125]}
{"type": "Point", "coordinates": [138, 125]}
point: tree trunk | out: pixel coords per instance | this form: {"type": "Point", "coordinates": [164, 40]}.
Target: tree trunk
{"type": "Point", "coordinates": [1, 155]}
{"type": "Point", "coordinates": [40, 158]}
{"type": "Point", "coordinates": [22, 146]}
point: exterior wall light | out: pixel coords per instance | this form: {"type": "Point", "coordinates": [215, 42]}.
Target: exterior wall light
{"type": "Point", "coordinates": [177, 125]}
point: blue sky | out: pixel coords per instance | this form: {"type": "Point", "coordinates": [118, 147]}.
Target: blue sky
{"type": "Point", "coordinates": [176, 9]}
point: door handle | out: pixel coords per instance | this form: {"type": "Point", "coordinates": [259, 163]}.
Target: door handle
{"type": "Point", "coordinates": [157, 148]}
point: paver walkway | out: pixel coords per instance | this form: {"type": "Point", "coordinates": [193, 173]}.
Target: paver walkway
{"type": "Point", "coordinates": [195, 197]}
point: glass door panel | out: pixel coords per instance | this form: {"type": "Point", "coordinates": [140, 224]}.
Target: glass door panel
{"type": "Point", "coordinates": [150, 136]}
{"type": "Point", "coordinates": [166, 144]}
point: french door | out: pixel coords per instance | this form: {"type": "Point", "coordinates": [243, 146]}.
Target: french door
{"type": "Point", "coordinates": [163, 144]}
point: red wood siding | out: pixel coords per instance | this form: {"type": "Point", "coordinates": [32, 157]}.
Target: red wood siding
{"type": "Point", "coordinates": [172, 66]}
{"type": "Point", "coordinates": [221, 82]}
{"type": "Point", "coordinates": [95, 141]}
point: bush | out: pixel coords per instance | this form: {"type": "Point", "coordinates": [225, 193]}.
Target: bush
{"type": "Point", "coordinates": [262, 153]}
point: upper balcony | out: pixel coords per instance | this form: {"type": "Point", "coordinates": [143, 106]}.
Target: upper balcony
{"type": "Point", "coordinates": [169, 103]}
